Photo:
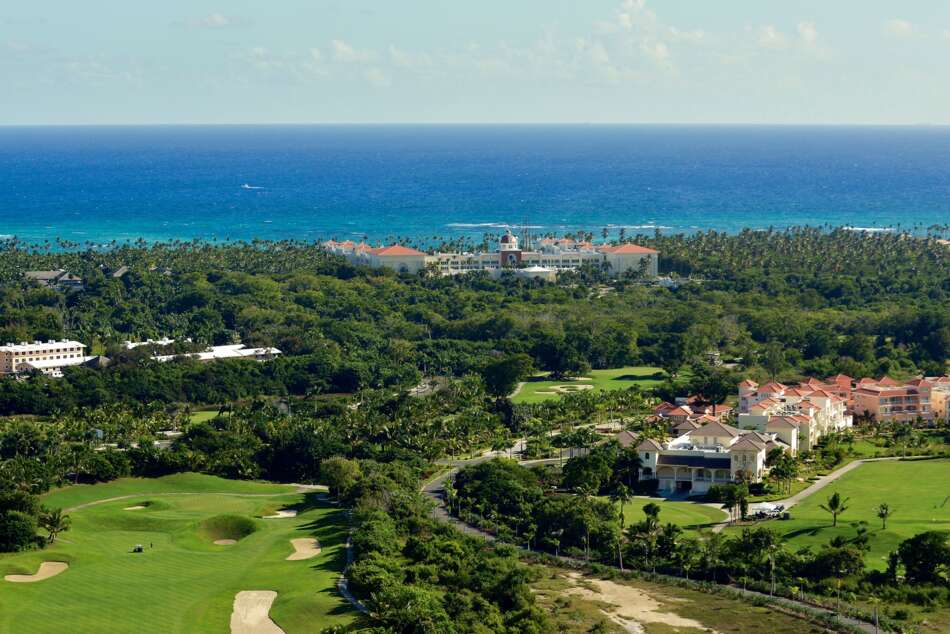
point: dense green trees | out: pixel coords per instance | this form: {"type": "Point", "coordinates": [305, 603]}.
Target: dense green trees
{"type": "Point", "coordinates": [798, 301]}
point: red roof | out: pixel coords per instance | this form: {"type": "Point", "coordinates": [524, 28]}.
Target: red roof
{"type": "Point", "coordinates": [748, 383]}
{"type": "Point", "coordinates": [395, 250]}
{"type": "Point", "coordinates": [625, 249]}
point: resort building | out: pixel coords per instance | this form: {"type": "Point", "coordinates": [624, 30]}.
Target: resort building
{"type": "Point", "coordinates": [715, 453]}
{"type": "Point", "coordinates": [798, 415]}
{"type": "Point", "coordinates": [58, 278]}
{"type": "Point", "coordinates": [216, 353]}
{"type": "Point", "coordinates": [49, 357]}
{"type": "Point", "coordinates": [885, 400]}
{"type": "Point", "coordinates": [543, 262]}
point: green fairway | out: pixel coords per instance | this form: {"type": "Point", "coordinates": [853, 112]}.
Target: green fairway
{"type": "Point", "coordinates": [917, 492]}
{"type": "Point", "coordinates": [538, 388]}
{"type": "Point", "coordinates": [182, 582]}
{"type": "Point", "coordinates": [686, 515]}
{"type": "Point", "coordinates": [203, 415]}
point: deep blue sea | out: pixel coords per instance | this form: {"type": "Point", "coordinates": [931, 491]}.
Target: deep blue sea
{"type": "Point", "coordinates": [313, 182]}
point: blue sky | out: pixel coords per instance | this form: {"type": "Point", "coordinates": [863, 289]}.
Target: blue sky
{"type": "Point", "coordinates": [651, 61]}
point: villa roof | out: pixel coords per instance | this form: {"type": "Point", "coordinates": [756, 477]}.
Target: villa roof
{"type": "Point", "coordinates": [687, 426]}
{"type": "Point", "coordinates": [396, 250]}
{"type": "Point", "coordinates": [749, 441]}
{"type": "Point", "coordinates": [626, 438]}
{"type": "Point", "coordinates": [772, 386]}
{"type": "Point", "coordinates": [716, 429]}
{"type": "Point", "coordinates": [840, 379]}
{"type": "Point", "coordinates": [649, 445]}
{"type": "Point", "coordinates": [683, 410]}
{"type": "Point", "coordinates": [782, 421]}
{"type": "Point", "coordinates": [798, 391]}
{"type": "Point", "coordinates": [748, 383]}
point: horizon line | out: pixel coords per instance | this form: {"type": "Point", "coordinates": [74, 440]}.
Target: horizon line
{"type": "Point", "coordinates": [476, 124]}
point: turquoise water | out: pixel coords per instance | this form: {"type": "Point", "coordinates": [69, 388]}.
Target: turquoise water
{"type": "Point", "coordinates": [100, 184]}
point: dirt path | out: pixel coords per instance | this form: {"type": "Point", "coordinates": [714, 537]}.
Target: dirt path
{"type": "Point", "coordinates": [47, 569]}
{"type": "Point", "coordinates": [251, 613]}
{"type": "Point", "coordinates": [630, 607]}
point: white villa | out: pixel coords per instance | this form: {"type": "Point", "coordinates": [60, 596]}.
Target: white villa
{"type": "Point", "coordinates": [49, 357]}
{"type": "Point", "coordinates": [543, 262]}
{"type": "Point", "coordinates": [715, 453]}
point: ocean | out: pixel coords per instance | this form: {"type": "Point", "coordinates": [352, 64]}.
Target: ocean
{"type": "Point", "coordinates": [98, 184]}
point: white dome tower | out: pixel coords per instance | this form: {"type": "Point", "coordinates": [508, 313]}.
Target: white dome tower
{"type": "Point", "coordinates": [509, 250]}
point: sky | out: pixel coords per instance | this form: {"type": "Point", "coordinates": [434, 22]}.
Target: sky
{"type": "Point", "coordinates": [489, 61]}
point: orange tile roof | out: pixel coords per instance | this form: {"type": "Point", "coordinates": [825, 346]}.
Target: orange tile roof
{"type": "Point", "coordinates": [625, 249]}
{"type": "Point", "coordinates": [396, 250]}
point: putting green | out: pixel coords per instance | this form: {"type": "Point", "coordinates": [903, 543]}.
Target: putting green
{"type": "Point", "coordinates": [539, 388]}
{"type": "Point", "coordinates": [182, 582]}
{"type": "Point", "coordinates": [916, 491]}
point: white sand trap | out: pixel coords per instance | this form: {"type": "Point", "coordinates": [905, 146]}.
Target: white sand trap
{"type": "Point", "coordinates": [250, 614]}
{"type": "Point", "coordinates": [630, 607]}
{"type": "Point", "coordinates": [47, 569]}
{"type": "Point", "coordinates": [281, 515]}
{"type": "Point", "coordinates": [306, 548]}
{"type": "Point", "coordinates": [571, 389]}
{"type": "Point", "coordinates": [225, 542]}
{"type": "Point", "coordinates": [133, 508]}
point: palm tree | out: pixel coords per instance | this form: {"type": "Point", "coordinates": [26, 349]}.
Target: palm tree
{"type": "Point", "coordinates": [884, 511]}
{"type": "Point", "coordinates": [621, 495]}
{"type": "Point", "coordinates": [836, 505]}
{"type": "Point", "coordinates": [54, 522]}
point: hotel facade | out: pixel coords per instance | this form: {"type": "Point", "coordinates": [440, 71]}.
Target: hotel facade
{"type": "Point", "coordinates": [48, 357]}
{"type": "Point", "coordinates": [543, 262]}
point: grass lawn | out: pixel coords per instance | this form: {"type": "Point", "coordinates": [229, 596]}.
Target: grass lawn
{"type": "Point", "coordinates": [183, 582]}
{"type": "Point", "coordinates": [687, 515]}
{"type": "Point", "coordinates": [539, 388]}
{"type": "Point", "coordinates": [203, 415]}
{"type": "Point", "coordinates": [917, 492]}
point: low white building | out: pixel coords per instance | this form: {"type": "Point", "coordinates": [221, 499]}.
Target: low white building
{"type": "Point", "coordinates": [233, 351]}
{"type": "Point", "coordinates": [48, 357]}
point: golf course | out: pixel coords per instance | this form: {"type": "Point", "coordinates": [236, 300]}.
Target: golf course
{"type": "Point", "coordinates": [917, 492]}
{"type": "Point", "coordinates": [203, 541]}
{"type": "Point", "coordinates": [540, 387]}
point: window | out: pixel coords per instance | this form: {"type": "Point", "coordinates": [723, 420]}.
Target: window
{"type": "Point", "coordinates": [646, 455]}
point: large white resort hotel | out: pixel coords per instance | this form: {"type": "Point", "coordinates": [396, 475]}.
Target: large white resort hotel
{"type": "Point", "coordinates": [543, 261]}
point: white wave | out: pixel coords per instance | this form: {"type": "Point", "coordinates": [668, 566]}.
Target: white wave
{"type": "Point", "coordinates": [490, 225]}
{"type": "Point", "coordinates": [647, 226]}
{"type": "Point", "coordinates": [869, 229]}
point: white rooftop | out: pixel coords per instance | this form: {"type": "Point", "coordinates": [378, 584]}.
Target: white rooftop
{"type": "Point", "coordinates": [40, 346]}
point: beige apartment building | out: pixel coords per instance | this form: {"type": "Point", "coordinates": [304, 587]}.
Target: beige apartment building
{"type": "Point", "coordinates": [49, 357]}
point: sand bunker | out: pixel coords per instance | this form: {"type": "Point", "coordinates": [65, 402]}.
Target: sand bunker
{"type": "Point", "coordinates": [630, 606]}
{"type": "Point", "coordinates": [133, 508]}
{"type": "Point", "coordinates": [306, 548]}
{"type": "Point", "coordinates": [281, 515]}
{"type": "Point", "coordinates": [47, 569]}
{"type": "Point", "coordinates": [570, 389]}
{"type": "Point", "coordinates": [250, 614]}
{"type": "Point", "coordinates": [225, 542]}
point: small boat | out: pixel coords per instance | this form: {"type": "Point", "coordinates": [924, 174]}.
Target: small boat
{"type": "Point", "coordinates": [246, 186]}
